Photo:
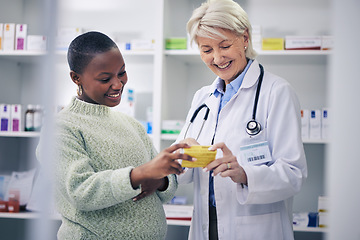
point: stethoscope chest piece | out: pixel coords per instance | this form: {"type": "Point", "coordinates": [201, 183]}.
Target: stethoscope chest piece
{"type": "Point", "coordinates": [253, 127]}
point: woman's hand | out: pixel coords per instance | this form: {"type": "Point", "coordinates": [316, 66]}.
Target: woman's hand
{"type": "Point", "coordinates": [148, 187]}
{"type": "Point", "coordinates": [163, 164]}
{"type": "Point", "coordinates": [227, 166]}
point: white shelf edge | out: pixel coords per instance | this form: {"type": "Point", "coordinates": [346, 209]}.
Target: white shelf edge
{"type": "Point", "coordinates": [309, 229]}
{"type": "Point", "coordinates": [19, 134]}
{"type": "Point", "coordinates": [22, 53]}
{"type": "Point", "coordinates": [28, 215]}
{"type": "Point", "coordinates": [307, 140]}
{"type": "Point", "coordinates": [124, 53]}
{"type": "Point", "coordinates": [259, 52]}
{"type": "Point", "coordinates": [178, 222]}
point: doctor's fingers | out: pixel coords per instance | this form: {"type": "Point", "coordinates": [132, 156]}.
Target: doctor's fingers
{"type": "Point", "coordinates": [226, 167]}
{"type": "Point", "coordinates": [223, 147]}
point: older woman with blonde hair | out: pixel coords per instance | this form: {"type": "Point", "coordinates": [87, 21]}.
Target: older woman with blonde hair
{"type": "Point", "coordinates": [253, 117]}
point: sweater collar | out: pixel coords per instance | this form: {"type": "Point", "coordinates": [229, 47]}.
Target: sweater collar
{"type": "Point", "coordinates": [79, 106]}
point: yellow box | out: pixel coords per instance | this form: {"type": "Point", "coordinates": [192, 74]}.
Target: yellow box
{"type": "Point", "coordinates": [201, 153]}
{"type": "Point", "coordinates": [272, 44]}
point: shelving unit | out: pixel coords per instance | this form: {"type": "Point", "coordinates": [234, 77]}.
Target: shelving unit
{"type": "Point", "coordinates": [168, 79]}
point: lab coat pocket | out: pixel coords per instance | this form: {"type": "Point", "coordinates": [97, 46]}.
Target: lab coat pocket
{"type": "Point", "coordinates": [264, 226]}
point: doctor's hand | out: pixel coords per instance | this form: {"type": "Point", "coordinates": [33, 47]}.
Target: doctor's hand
{"type": "Point", "coordinates": [227, 166]}
{"type": "Point", "coordinates": [190, 141]}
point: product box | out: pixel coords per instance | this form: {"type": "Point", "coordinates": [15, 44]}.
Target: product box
{"type": "Point", "coordinates": [9, 37]}
{"type": "Point", "coordinates": [36, 43]}
{"type": "Point", "coordinates": [272, 44]}
{"type": "Point", "coordinates": [172, 126]}
{"type": "Point", "coordinates": [305, 123]}
{"type": "Point", "coordinates": [1, 35]}
{"type": "Point", "coordinates": [15, 118]}
{"type": "Point", "coordinates": [142, 44]}
{"type": "Point", "coordinates": [302, 43]}
{"type": "Point", "coordinates": [305, 219]}
{"type": "Point", "coordinates": [20, 36]}
{"type": "Point", "coordinates": [5, 117]}
{"type": "Point", "coordinates": [175, 43]}
{"type": "Point", "coordinates": [327, 42]}
{"type": "Point", "coordinates": [256, 37]}
{"type": "Point", "coordinates": [325, 123]}
{"type": "Point", "coordinates": [323, 209]}
{"type": "Point", "coordinates": [178, 212]}
{"type": "Point", "coordinates": [315, 124]}
{"type": "Point", "coordinates": [65, 36]}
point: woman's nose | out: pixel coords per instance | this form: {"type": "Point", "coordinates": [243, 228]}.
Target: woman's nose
{"type": "Point", "coordinates": [217, 57]}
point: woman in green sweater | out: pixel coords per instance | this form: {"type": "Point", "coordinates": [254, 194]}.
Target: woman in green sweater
{"type": "Point", "coordinates": [109, 181]}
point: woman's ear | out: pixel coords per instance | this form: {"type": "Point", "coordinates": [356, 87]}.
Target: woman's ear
{"type": "Point", "coordinates": [246, 36]}
{"type": "Point", "coordinates": [75, 77]}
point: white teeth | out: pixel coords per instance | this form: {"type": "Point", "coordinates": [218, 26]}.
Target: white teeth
{"type": "Point", "coordinates": [224, 66]}
{"type": "Point", "coordinates": [114, 95]}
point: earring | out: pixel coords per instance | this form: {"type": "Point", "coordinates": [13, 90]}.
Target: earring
{"type": "Point", "coordinates": [245, 47]}
{"type": "Point", "coordinates": [79, 90]}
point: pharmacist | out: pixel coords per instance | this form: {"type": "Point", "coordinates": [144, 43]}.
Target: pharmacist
{"type": "Point", "coordinates": [252, 118]}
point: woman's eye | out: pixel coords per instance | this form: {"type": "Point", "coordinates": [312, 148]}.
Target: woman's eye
{"type": "Point", "coordinates": [207, 51]}
{"type": "Point", "coordinates": [122, 74]}
{"type": "Point", "coordinates": [105, 80]}
{"type": "Point", "coordinates": [226, 47]}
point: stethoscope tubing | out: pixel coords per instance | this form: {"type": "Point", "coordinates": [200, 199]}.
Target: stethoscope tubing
{"type": "Point", "coordinates": [251, 132]}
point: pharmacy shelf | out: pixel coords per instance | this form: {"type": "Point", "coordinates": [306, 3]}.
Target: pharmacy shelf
{"type": "Point", "coordinates": [22, 53]}
{"type": "Point", "coordinates": [28, 215]}
{"type": "Point", "coordinates": [259, 52]}
{"type": "Point", "coordinates": [19, 134]}
{"type": "Point", "coordinates": [33, 215]}
{"type": "Point", "coordinates": [173, 137]}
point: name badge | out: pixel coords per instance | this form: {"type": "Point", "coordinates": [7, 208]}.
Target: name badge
{"type": "Point", "coordinates": [255, 154]}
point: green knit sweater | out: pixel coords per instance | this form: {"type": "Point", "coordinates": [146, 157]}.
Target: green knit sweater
{"type": "Point", "coordinates": [96, 150]}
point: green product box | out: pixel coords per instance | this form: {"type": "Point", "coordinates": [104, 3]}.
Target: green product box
{"type": "Point", "coordinates": [175, 43]}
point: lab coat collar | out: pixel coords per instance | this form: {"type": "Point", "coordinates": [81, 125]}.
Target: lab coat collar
{"type": "Point", "coordinates": [249, 79]}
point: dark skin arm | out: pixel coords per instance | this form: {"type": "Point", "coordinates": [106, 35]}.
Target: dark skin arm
{"type": "Point", "coordinates": [152, 175]}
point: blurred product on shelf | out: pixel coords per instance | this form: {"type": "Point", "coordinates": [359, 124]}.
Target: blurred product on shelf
{"type": "Point", "coordinates": [272, 44]}
{"type": "Point", "coordinates": [20, 36]}
{"type": "Point", "coordinates": [175, 43]}
{"type": "Point", "coordinates": [323, 209]}
{"type": "Point", "coordinates": [9, 37]}
{"type": "Point", "coordinates": [302, 42]}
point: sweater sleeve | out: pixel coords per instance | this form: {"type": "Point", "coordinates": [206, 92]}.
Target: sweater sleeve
{"type": "Point", "coordinates": [77, 181]}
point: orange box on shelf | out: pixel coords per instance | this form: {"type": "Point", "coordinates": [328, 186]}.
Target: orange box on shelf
{"type": "Point", "coordinates": [14, 201]}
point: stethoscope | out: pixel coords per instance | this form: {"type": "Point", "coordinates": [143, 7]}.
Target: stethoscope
{"type": "Point", "coordinates": [253, 127]}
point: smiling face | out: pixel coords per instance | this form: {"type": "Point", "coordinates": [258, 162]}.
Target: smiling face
{"type": "Point", "coordinates": [103, 79]}
{"type": "Point", "coordinates": [225, 57]}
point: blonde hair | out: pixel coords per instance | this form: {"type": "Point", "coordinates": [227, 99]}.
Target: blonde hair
{"type": "Point", "coordinates": [213, 15]}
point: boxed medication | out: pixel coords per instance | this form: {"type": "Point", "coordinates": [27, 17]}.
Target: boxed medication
{"type": "Point", "coordinates": [327, 42]}
{"type": "Point", "coordinates": [315, 124]}
{"type": "Point", "coordinates": [178, 212]}
{"type": "Point", "coordinates": [20, 36]}
{"type": "Point", "coordinates": [171, 126]}
{"type": "Point", "coordinates": [5, 117]}
{"type": "Point", "coordinates": [305, 219]}
{"type": "Point", "coordinates": [142, 44]}
{"type": "Point", "coordinates": [9, 37]}
{"type": "Point", "coordinates": [36, 43]}
{"type": "Point", "coordinates": [272, 44]}
{"type": "Point", "coordinates": [1, 34]}
{"type": "Point", "coordinates": [325, 123]}
{"type": "Point", "coordinates": [176, 43]}
{"type": "Point", "coordinates": [302, 43]}
{"type": "Point", "coordinates": [65, 36]}
{"type": "Point", "coordinates": [15, 118]}
{"type": "Point", "coordinates": [323, 209]}
{"type": "Point", "coordinates": [305, 123]}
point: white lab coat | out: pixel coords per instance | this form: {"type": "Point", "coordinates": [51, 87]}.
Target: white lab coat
{"type": "Point", "coordinates": [263, 208]}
